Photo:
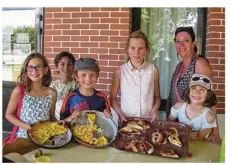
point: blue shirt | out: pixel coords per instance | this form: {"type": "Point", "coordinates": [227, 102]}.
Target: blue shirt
{"type": "Point", "coordinates": [76, 101]}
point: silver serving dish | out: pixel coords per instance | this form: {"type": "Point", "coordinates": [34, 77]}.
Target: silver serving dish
{"type": "Point", "coordinates": [109, 128]}
{"type": "Point", "coordinates": [57, 141]}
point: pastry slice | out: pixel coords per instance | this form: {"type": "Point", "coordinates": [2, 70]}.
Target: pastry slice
{"type": "Point", "coordinates": [135, 125]}
{"type": "Point", "coordinates": [129, 131]}
{"type": "Point", "coordinates": [144, 124]}
{"type": "Point", "coordinates": [175, 140]}
{"type": "Point", "coordinates": [157, 137]}
{"type": "Point", "coordinates": [131, 146]}
{"type": "Point", "coordinates": [173, 131]}
{"type": "Point", "coordinates": [169, 154]}
{"type": "Point", "coordinates": [149, 148]}
{"type": "Point", "coordinates": [91, 116]}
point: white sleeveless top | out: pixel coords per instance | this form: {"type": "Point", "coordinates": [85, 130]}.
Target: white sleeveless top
{"type": "Point", "coordinates": [137, 89]}
{"type": "Point", "coordinates": [197, 123]}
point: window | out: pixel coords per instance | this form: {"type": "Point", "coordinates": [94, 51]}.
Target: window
{"type": "Point", "coordinates": [159, 25]}
{"type": "Point", "coordinates": [20, 37]}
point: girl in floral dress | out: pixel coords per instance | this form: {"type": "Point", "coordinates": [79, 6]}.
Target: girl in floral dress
{"type": "Point", "coordinates": [38, 103]}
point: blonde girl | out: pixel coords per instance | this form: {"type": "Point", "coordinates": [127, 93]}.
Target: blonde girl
{"type": "Point", "coordinates": [138, 82]}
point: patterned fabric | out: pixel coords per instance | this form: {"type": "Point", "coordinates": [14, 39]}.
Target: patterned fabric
{"type": "Point", "coordinates": [197, 123]}
{"type": "Point", "coordinates": [76, 101]}
{"type": "Point", "coordinates": [182, 83]}
{"type": "Point", "coordinates": [137, 90]}
{"type": "Point", "coordinates": [62, 90]}
{"type": "Point", "coordinates": [33, 110]}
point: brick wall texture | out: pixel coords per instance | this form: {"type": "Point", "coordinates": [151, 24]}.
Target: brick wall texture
{"type": "Point", "coordinates": [101, 33]}
{"type": "Point", "coordinates": [215, 52]}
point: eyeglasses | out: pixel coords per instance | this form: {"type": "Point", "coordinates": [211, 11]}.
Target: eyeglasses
{"type": "Point", "coordinates": [37, 68]}
{"type": "Point", "coordinates": [201, 78]}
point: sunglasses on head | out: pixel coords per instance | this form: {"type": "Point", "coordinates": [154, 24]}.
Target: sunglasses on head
{"type": "Point", "coordinates": [201, 78]}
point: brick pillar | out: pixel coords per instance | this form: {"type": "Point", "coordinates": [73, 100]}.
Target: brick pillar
{"type": "Point", "coordinates": [215, 51]}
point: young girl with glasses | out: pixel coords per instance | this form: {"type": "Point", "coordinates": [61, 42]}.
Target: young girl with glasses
{"type": "Point", "coordinates": [195, 111]}
{"type": "Point", "coordinates": [38, 103]}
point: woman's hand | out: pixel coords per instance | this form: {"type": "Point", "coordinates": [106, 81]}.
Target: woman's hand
{"type": "Point", "coordinates": [107, 113]}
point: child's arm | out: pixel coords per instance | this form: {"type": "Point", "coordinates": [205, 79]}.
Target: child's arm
{"type": "Point", "coordinates": [202, 133]}
{"type": "Point", "coordinates": [156, 103]}
{"type": "Point", "coordinates": [12, 107]}
{"type": "Point", "coordinates": [214, 135]}
{"type": "Point", "coordinates": [54, 99]}
{"type": "Point", "coordinates": [175, 111]}
{"type": "Point", "coordinates": [206, 126]}
{"type": "Point", "coordinates": [113, 94]}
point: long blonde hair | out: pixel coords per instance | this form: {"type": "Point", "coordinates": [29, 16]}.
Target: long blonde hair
{"type": "Point", "coordinates": [139, 35]}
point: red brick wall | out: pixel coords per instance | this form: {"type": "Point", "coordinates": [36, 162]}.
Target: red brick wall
{"type": "Point", "coordinates": [99, 33]}
{"type": "Point", "coordinates": [215, 51]}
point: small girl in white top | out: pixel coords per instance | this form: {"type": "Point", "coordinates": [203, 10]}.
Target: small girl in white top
{"type": "Point", "coordinates": [64, 63]}
{"type": "Point", "coordinates": [138, 82]}
{"type": "Point", "coordinates": [195, 112]}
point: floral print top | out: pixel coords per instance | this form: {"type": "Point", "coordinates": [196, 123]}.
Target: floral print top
{"type": "Point", "coordinates": [34, 109]}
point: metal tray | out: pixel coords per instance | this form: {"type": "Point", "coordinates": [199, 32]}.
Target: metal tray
{"type": "Point", "coordinates": [110, 129]}
{"type": "Point", "coordinates": [183, 131]}
{"type": "Point", "coordinates": [54, 142]}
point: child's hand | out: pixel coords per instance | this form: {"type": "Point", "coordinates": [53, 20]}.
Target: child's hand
{"type": "Point", "coordinates": [193, 134]}
{"type": "Point", "coordinates": [27, 127]}
{"type": "Point", "coordinates": [122, 118]}
{"type": "Point", "coordinates": [61, 122]}
{"type": "Point", "coordinates": [75, 113]}
{"type": "Point", "coordinates": [154, 115]}
{"type": "Point", "coordinates": [107, 113]}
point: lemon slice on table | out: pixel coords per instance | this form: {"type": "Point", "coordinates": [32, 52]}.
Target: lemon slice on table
{"type": "Point", "coordinates": [42, 159]}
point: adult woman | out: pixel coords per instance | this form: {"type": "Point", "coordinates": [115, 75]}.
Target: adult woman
{"type": "Point", "coordinates": [191, 63]}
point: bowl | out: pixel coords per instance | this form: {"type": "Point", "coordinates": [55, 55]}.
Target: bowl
{"type": "Point", "coordinates": [54, 142]}
{"type": "Point", "coordinates": [109, 128]}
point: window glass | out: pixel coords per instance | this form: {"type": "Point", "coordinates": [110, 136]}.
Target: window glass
{"type": "Point", "coordinates": [18, 39]}
{"type": "Point", "coordinates": [159, 25]}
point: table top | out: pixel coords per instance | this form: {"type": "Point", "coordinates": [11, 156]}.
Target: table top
{"type": "Point", "coordinates": [74, 152]}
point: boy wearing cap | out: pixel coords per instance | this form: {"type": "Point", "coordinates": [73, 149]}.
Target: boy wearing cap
{"type": "Point", "coordinates": [85, 97]}
{"type": "Point", "coordinates": [195, 111]}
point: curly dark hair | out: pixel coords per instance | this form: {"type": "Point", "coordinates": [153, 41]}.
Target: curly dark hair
{"type": "Point", "coordinates": [59, 56]}
{"type": "Point", "coordinates": [210, 101]}
{"type": "Point", "coordinates": [24, 79]}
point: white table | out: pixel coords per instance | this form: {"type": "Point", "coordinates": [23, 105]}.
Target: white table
{"type": "Point", "coordinates": [74, 152]}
